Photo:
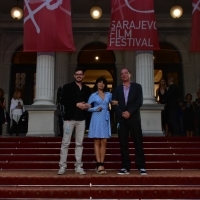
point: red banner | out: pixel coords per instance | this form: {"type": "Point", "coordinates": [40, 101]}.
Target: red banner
{"type": "Point", "coordinates": [47, 26]}
{"type": "Point", "coordinates": [195, 37]}
{"type": "Point", "coordinates": [133, 26]}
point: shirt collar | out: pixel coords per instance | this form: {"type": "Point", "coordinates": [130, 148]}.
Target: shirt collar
{"type": "Point", "coordinates": [126, 87]}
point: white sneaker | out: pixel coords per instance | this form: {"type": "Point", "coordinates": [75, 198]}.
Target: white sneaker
{"type": "Point", "coordinates": [61, 171]}
{"type": "Point", "coordinates": [80, 170]}
{"type": "Point", "coordinates": [143, 172]}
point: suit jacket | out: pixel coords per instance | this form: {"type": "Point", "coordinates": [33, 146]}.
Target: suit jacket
{"type": "Point", "coordinates": [172, 97]}
{"type": "Point", "coordinates": [134, 102]}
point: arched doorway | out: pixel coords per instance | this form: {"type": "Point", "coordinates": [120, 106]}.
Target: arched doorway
{"type": "Point", "coordinates": [23, 74]}
{"type": "Point", "coordinates": [97, 61]}
{"type": "Point", "coordinates": [168, 63]}
{"type": "Point", "coordinates": [92, 74]}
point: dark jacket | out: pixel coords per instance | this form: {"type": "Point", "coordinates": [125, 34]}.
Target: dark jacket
{"type": "Point", "coordinates": [135, 100]}
{"type": "Point", "coordinates": [69, 99]}
{"type": "Point", "coordinates": [172, 96]}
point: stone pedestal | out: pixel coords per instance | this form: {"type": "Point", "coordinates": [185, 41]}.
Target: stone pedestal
{"type": "Point", "coordinates": [151, 119]}
{"type": "Point", "coordinates": [150, 111]}
{"type": "Point", "coordinates": [4, 129]}
{"type": "Point", "coordinates": [42, 120]}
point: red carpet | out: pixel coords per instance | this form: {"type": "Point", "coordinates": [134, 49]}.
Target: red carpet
{"type": "Point", "coordinates": [29, 170]}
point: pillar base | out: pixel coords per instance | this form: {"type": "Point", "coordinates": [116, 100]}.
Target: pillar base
{"type": "Point", "coordinates": [42, 120]}
{"type": "Point", "coordinates": [148, 100]}
{"type": "Point", "coordinates": [151, 119]}
{"type": "Point", "coordinates": [5, 129]}
{"type": "Point", "coordinates": [43, 102]}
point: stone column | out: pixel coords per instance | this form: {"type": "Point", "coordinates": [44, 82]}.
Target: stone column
{"type": "Point", "coordinates": [150, 111]}
{"type": "Point", "coordinates": [129, 63]}
{"type": "Point", "coordinates": [42, 114]}
{"type": "Point", "coordinates": [61, 69]}
{"type": "Point", "coordinates": [1, 57]}
{"type": "Point", "coordinates": [5, 71]}
{"type": "Point", "coordinates": [45, 79]}
{"type": "Point", "coordinates": [145, 75]}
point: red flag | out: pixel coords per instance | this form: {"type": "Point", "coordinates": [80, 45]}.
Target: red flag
{"type": "Point", "coordinates": [195, 37]}
{"type": "Point", "coordinates": [47, 26]}
{"type": "Point", "coordinates": [133, 26]}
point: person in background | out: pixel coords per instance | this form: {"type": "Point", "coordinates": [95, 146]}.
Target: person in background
{"type": "Point", "coordinates": [74, 97]}
{"type": "Point", "coordinates": [99, 128]}
{"type": "Point", "coordinates": [172, 104]}
{"type": "Point", "coordinates": [188, 115]}
{"type": "Point", "coordinates": [2, 109]}
{"type": "Point", "coordinates": [180, 118]}
{"type": "Point", "coordinates": [161, 93]}
{"type": "Point", "coordinates": [198, 90]}
{"type": "Point", "coordinates": [129, 97]}
{"type": "Point", "coordinates": [197, 111]}
{"type": "Point", "coordinates": [16, 111]}
{"type": "Point", "coordinates": [60, 111]}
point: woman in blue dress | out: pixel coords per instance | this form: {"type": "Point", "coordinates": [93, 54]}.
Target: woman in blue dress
{"type": "Point", "coordinates": [99, 128]}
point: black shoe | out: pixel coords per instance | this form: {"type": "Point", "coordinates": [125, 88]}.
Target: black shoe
{"type": "Point", "coordinates": [143, 172]}
{"type": "Point", "coordinates": [123, 171]}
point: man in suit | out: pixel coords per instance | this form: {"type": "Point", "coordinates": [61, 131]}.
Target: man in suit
{"type": "Point", "coordinates": [129, 97]}
{"type": "Point", "coordinates": [74, 96]}
{"type": "Point", "coordinates": [172, 107]}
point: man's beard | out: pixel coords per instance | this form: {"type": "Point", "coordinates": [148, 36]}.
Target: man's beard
{"type": "Point", "coordinates": [79, 81]}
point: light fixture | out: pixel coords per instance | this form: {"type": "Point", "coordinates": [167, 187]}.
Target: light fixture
{"type": "Point", "coordinates": [176, 11]}
{"type": "Point", "coordinates": [96, 58]}
{"type": "Point", "coordinates": [96, 12]}
{"type": "Point", "coordinates": [16, 12]}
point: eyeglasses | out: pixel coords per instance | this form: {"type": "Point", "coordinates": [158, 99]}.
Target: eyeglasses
{"type": "Point", "coordinates": [79, 74]}
{"type": "Point", "coordinates": [124, 73]}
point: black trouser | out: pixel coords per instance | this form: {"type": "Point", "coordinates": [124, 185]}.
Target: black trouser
{"type": "Point", "coordinates": [198, 125]}
{"type": "Point", "coordinates": [1, 121]}
{"type": "Point", "coordinates": [173, 121]}
{"type": "Point", "coordinates": [133, 128]}
{"type": "Point", "coordinates": [15, 128]}
{"type": "Point", "coordinates": [1, 128]}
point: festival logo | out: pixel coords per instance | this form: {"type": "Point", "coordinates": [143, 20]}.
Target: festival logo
{"type": "Point", "coordinates": [133, 26]}
{"type": "Point", "coordinates": [195, 36]}
{"type": "Point", "coordinates": [47, 25]}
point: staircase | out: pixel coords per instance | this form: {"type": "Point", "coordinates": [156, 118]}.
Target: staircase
{"type": "Point", "coordinates": [29, 170]}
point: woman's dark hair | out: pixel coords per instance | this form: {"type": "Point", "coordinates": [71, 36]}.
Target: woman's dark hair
{"type": "Point", "coordinates": [100, 79]}
{"type": "Point", "coordinates": [1, 93]}
{"type": "Point", "coordinates": [188, 94]}
{"type": "Point", "coordinates": [160, 82]}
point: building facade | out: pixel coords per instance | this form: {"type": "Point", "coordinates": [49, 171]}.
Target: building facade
{"type": "Point", "coordinates": [18, 69]}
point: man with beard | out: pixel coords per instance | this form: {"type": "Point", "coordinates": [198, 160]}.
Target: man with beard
{"type": "Point", "coordinates": [73, 99]}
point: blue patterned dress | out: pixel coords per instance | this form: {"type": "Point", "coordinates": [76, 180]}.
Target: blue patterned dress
{"type": "Point", "coordinates": [100, 120]}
